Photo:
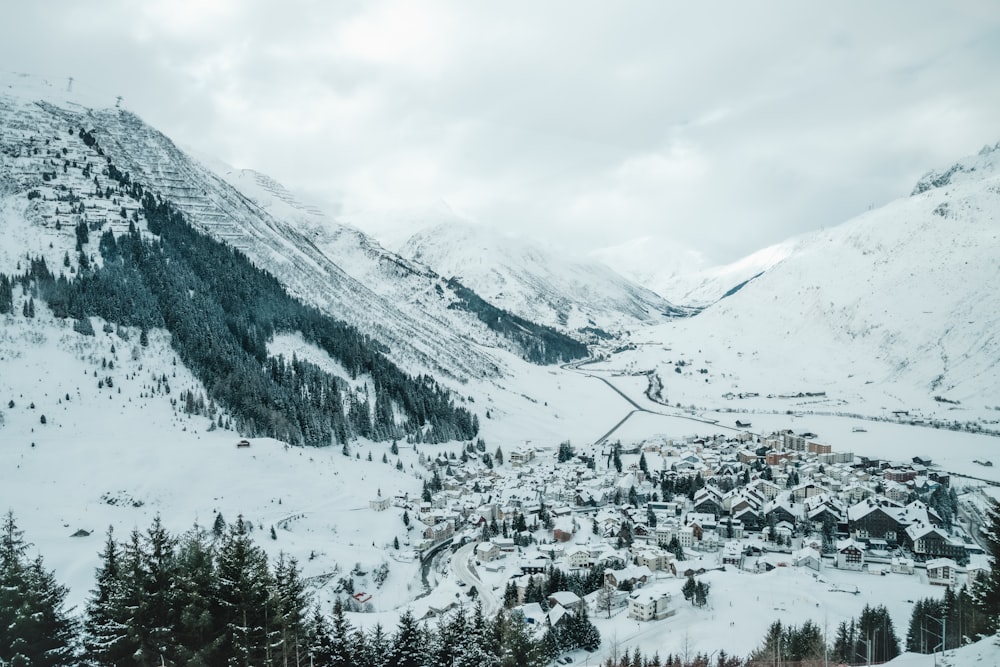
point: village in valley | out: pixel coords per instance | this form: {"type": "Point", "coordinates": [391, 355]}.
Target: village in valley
{"type": "Point", "coordinates": [637, 529]}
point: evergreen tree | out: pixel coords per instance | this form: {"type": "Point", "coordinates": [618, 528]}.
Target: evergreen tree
{"type": "Point", "coordinates": [320, 640]}
{"type": "Point", "coordinates": [103, 633]}
{"type": "Point", "coordinates": [408, 643]}
{"type": "Point", "coordinates": [198, 631]}
{"type": "Point", "coordinates": [986, 589]}
{"type": "Point", "coordinates": [158, 600]}
{"type": "Point", "coordinates": [243, 598]}
{"type": "Point", "coordinates": [36, 630]}
{"type": "Point", "coordinates": [700, 594]}
{"type": "Point", "coordinates": [290, 602]}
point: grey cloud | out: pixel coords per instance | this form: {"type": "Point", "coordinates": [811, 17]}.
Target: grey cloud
{"type": "Point", "coordinates": [723, 127]}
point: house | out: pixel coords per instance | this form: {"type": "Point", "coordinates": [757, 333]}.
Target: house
{"type": "Point", "coordinates": [808, 557]}
{"type": "Point", "coordinates": [850, 555]}
{"type": "Point", "coordinates": [941, 572]}
{"type": "Point", "coordinates": [521, 456]}
{"type": "Point", "coordinates": [379, 504]}
{"type": "Point", "coordinates": [537, 566]}
{"type": "Point", "coordinates": [927, 541]}
{"type": "Point", "coordinates": [875, 517]}
{"type": "Point", "coordinates": [732, 555]}
{"type": "Point", "coordinates": [506, 544]}
{"type": "Point", "coordinates": [440, 531]}
{"type": "Point", "coordinates": [533, 613]}
{"type": "Point", "coordinates": [487, 551]}
{"type": "Point", "coordinates": [900, 565]}
{"type": "Point", "coordinates": [635, 576]}
{"type": "Point", "coordinates": [242, 444]}
{"type": "Point", "coordinates": [579, 556]}
{"type": "Point", "coordinates": [567, 600]}
{"type": "Point", "coordinates": [654, 559]}
{"type": "Point", "coordinates": [649, 605]}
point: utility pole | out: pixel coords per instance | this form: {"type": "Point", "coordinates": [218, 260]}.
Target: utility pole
{"type": "Point", "coordinates": [944, 633]}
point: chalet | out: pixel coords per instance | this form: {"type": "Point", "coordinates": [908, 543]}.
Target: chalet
{"type": "Point", "coordinates": [708, 501]}
{"type": "Point", "coordinates": [579, 557]}
{"type": "Point", "coordinates": [808, 557]}
{"type": "Point", "coordinates": [533, 613]}
{"type": "Point", "coordinates": [635, 576]}
{"type": "Point", "coordinates": [749, 517]}
{"type": "Point", "coordinates": [850, 555]}
{"type": "Point", "coordinates": [740, 424]}
{"type": "Point", "coordinates": [537, 566]}
{"type": "Point", "coordinates": [567, 600]}
{"type": "Point", "coordinates": [649, 605]}
{"type": "Point", "coordinates": [875, 518]}
{"type": "Point", "coordinates": [928, 541]}
{"type": "Point", "coordinates": [941, 572]}
{"type": "Point", "coordinates": [242, 443]}
{"type": "Point", "coordinates": [779, 511]}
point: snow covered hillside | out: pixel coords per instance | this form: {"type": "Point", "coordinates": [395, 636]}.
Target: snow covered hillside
{"type": "Point", "coordinates": [345, 273]}
{"type": "Point", "coordinates": [536, 283]}
{"type": "Point", "coordinates": [894, 310]}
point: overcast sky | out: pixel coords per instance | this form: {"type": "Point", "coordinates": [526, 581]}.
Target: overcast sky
{"type": "Point", "coordinates": [717, 126]}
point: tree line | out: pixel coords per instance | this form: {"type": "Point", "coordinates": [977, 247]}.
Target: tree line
{"type": "Point", "coordinates": [221, 312]}
{"type": "Point", "coordinates": [213, 598]}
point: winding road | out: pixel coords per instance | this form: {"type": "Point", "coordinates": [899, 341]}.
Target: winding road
{"type": "Point", "coordinates": [463, 572]}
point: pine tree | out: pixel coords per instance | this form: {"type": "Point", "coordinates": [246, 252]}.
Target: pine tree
{"type": "Point", "coordinates": [700, 594]}
{"type": "Point", "coordinates": [986, 590]}
{"type": "Point", "coordinates": [290, 603]}
{"type": "Point", "coordinates": [372, 649]}
{"type": "Point", "coordinates": [36, 628]}
{"type": "Point", "coordinates": [688, 589]}
{"type": "Point", "coordinates": [103, 633]}
{"type": "Point", "coordinates": [159, 595]}
{"type": "Point", "coordinates": [243, 608]}
{"type": "Point", "coordinates": [408, 643]}
{"type": "Point", "coordinates": [319, 638]}
{"type": "Point", "coordinates": [198, 631]}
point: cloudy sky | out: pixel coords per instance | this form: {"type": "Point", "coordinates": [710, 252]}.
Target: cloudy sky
{"type": "Point", "coordinates": [719, 127]}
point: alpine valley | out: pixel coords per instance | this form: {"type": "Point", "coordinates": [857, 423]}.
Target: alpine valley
{"type": "Point", "coordinates": [194, 354]}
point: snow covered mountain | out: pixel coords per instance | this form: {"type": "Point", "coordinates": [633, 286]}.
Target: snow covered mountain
{"type": "Point", "coordinates": [536, 283]}
{"type": "Point", "coordinates": [886, 311]}
{"type": "Point", "coordinates": [425, 324]}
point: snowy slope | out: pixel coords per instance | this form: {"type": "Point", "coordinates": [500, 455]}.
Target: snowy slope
{"type": "Point", "coordinates": [337, 268]}
{"type": "Point", "coordinates": [885, 311]}
{"type": "Point", "coordinates": [536, 283]}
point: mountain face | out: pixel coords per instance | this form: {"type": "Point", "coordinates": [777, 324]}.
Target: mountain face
{"type": "Point", "coordinates": [900, 301]}
{"type": "Point", "coordinates": [537, 284]}
{"type": "Point", "coordinates": [406, 307]}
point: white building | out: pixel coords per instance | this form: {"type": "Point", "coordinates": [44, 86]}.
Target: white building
{"type": "Point", "coordinates": [649, 605]}
{"type": "Point", "coordinates": [941, 572]}
{"type": "Point", "coordinates": [850, 555]}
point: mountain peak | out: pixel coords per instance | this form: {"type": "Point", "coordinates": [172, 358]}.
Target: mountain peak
{"type": "Point", "coordinates": [973, 167]}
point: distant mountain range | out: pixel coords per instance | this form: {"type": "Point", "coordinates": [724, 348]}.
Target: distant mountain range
{"type": "Point", "coordinates": [536, 283]}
